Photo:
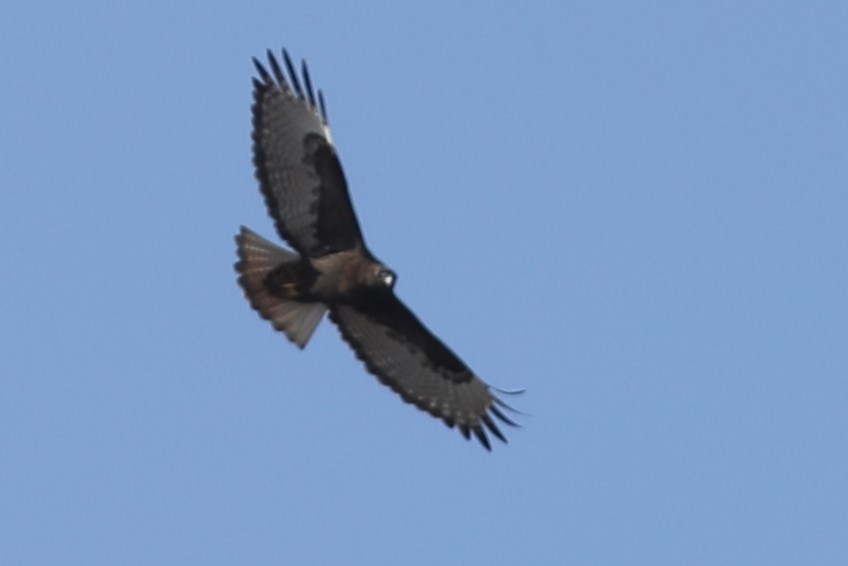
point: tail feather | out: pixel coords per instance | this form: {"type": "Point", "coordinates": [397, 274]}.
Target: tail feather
{"type": "Point", "coordinates": [258, 257]}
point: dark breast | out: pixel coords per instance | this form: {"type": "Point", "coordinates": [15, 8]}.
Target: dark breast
{"type": "Point", "coordinates": [341, 275]}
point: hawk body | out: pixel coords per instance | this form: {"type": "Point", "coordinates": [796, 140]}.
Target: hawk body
{"type": "Point", "coordinates": [332, 270]}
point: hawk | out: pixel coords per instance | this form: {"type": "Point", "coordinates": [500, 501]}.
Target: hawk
{"type": "Point", "coordinates": [331, 270]}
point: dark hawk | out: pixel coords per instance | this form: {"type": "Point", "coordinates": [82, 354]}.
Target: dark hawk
{"type": "Point", "coordinates": [332, 270]}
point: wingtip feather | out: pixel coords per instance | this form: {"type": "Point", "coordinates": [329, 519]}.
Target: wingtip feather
{"type": "Point", "coordinates": [279, 76]}
{"type": "Point", "coordinates": [323, 106]}
{"type": "Point", "coordinates": [481, 437]}
{"type": "Point", "coordinates": [308, 81]}
{"type": "Point", "coordinates": [490, 424]}
{"type": "Point", "coordinates": [502, 417]}
{"type": "Point", "coordinates": [295, 81]}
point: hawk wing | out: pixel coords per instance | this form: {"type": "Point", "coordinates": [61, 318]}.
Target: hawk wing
{"type": "Point", "coordinates": [297, 167]}
{"type": "Point", "coordinates": [397, 348]}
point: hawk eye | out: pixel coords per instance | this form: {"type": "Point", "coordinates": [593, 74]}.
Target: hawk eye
{"type": "Point", "coordinates": [387, 277]}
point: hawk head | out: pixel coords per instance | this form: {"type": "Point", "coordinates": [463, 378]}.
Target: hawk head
{"type": "Point", "coordinates": [383, 277]}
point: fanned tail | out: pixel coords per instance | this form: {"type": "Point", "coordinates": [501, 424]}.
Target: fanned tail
{"type": "Point", "coordinates": [257, 258]}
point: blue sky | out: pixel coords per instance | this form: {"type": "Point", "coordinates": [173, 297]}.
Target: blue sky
{"type": "Point", "coordinates": [636, 211]}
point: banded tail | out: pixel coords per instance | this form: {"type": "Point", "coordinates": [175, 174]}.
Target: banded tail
{"type": "Point", "coordinates": [257, 258]}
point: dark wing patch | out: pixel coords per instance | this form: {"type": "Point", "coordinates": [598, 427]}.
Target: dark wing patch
{"type": "Point", "coordinates": [397, 348]}
{"type": "Point", "coordinates": [297, 167]}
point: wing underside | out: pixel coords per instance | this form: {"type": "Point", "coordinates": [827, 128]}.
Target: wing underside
{"type": "Point", "coordinates": [298, 170]}
{"type": "Point", "coordinates": [399, 350]}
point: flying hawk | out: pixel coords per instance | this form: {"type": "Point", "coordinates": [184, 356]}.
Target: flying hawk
{"type": "Point", "coordinates": [332, 270]}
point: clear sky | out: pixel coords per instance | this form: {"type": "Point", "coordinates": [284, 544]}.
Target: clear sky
{"type": "Point", "coordinates": [638, 211]}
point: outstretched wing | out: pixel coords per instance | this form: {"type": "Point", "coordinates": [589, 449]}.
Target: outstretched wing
{"type": "Point", "coordinates": [397, 348]}
{"type": "Point", "coordinates": [299, 172]}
